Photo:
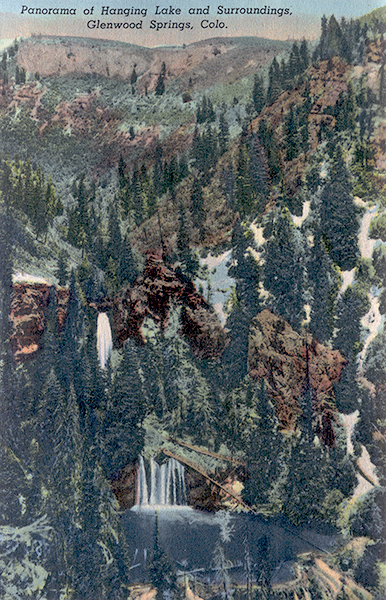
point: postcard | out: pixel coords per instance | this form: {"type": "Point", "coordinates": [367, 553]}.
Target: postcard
{"type": "Point", "coordinates": [192, 300]}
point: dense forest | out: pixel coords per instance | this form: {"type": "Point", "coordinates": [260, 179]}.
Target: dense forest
{"type": "Point", "coordinates": [281, 180]}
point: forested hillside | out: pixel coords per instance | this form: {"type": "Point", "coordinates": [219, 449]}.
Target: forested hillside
{"type": "Point", "coordinates": [121, 194]}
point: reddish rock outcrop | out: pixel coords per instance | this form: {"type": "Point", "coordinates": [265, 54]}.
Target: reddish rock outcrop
{"type": "Point", "coordinates": [153, 294]}
{"type": "Point", "coordinates": [29, 309]}
{"type": "Point", "coordinates": [124, 487]}
{"type": "Point", "coordinates": [289, 362]}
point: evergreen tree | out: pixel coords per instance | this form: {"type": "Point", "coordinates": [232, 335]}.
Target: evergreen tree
{"type": "Point", "coordinates": [72, 336]}
{"type": "Point", "coordinates": [186, 256]}
{"type": "Point", "coordinates": [268, 141]}
{"type": "Point", "coordinates": [292, 132]}
{"type": "Point", "coordinates": [62, 268]}
{"type": "Point", "coordinates": [133, 76]}
{"type": "Point", "coordinates": [138, 203]}
{"type": "Point", "coordinates": [274, 82]}
{"type": "Point", "coordinates": [244, 269]}
{"type": "Point", "coordinates": [258, 94]}
{"type": "Point", "coordinates": [128, 271]}
{"type": "Point", "coordinates": [339, 224]}
{"type": "Point", "coordinates": [223, 134]}
{"type": "Point", "coordinates": [79, 233]}
{"type": "Point", "coordinates": [283, 270]}
{"type": "Point", "coordinates": [114, 247]}
{"type": "Point", "coordinates": [197, 200]}
{"type": "Point", "coordinates": [345, 111]}
{"type": "Point", "coordinates": [265, 454]}
{"type": "Point", "coordinates": [120, 437]}
{"type": "Point", "coordinates": [160, 85]}
{"type": "Point", "coordinates": [304, 56]}
{"type": "Point", "coordinates": [325, 282]}
{"type": "Point", "coordinates": [162, 572]}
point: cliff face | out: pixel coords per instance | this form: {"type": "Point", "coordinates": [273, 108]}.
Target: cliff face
{"type": "Point", "coordinates": [153, 294]}
{"type": "Point", "coordinates": [204, 60]}
{"type": "Point", "coordinates": [29, 310]}
{"type": "Point", "coordinates": [290, 362]}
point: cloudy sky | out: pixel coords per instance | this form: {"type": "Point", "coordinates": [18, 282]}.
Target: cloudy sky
{"type": "Point", "coordinates": [302, 19]}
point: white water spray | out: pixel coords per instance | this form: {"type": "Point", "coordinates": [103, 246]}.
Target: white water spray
{"type": "Point", "coordinates": [104, 339]}
{"type": "Point", "coordinates": [167, 485]}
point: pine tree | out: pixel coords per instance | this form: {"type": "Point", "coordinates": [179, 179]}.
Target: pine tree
{"type": "Point", "coordinates": [197, 200]}
{"type": "Point", "coordinates": [304, 56]}
{"type": "Point", "coordinates": [223, 134]}
{"type": "Point", "coordinates": [339, 224]}
{"type": "Point", "coordinates": [244, 269]}
{"type": "Point", "coordinates": [127, 272]}
{"type": "Point", "coordinates": [120, 434]}
{"type": "Point", "coordinates": [283, 270]}
{"type": "Point", "coordinates": [72, 336]}
{"type": "Point", "coordinates": [62, 268]}
{"type": "Point", "coordinates": [258, 94]}
{"type": "Point", "coordinates": [53, 204]}
{"type": "Point", "coordinates": [292, 131]}
{"type": "Point", "coordinates": [325, 281]}
{"type": "Point", "coordinates": [160, 85]}
{"type": "Point", "coordinates": [274, 85]}
{"type": "Point", "coordinates": [265, 450]}
{"type": "Point", "coordinates": [114, 247]}
{"type": "Point", "coordinates": [161, 571]}
{"type": "Point", "coordinates": [40, 220]}
{"type": "Point", "coordinates": [133, 76]}
{"type": "Point", "coordinates": [186, 256]}
{"type": "Point", "coordinates": [138, 203]}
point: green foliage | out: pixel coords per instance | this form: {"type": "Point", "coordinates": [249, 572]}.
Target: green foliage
{"type": "Point", "coordinates": [345, 111]}
{"type": "Point", "coordinates": [378, 227]}
{"type": "Point", "coordinates": [266, 458]}
{"type": "Point", "coordinates": [122, 412]}
{"type": "Point", "coordinates": [189, 263]}
{"type": "Point", "coordinates": [285, 75]}
{"type": "Point", "coordinates": [351, 307]}
{"type": "Point", "coordinates": [245, 305]}
{"type": "Point", "coordinates": [338, 215]}
{"type": "Point", "coordinates": [379, 261]}
{"type": "Point", "coordinates": [325, 281]}
{"type": "Point", "coordinates": [268, 140]}
{"type": "Point", "coordinates": [258, 94]}
{"type": "Point", "coordinates": [160, 85]}
{"type": "Point", "coordinates": [362, 168]}
{"type": "Point", "coordinates": [162, 572]}
{"type": "Point", "coordinates": [283, 270]}
{"type": "Point", "coordinates": [223, 134]}
{"type": "Point", "coordinates": [205, 112]}
{"type": "Point", "coordinates": [62, 268]}
{"type": "Point", "coordinates": [346, 39]}
{"type": "Point", "coordinates": [80, 232]}
{"type": "Point", "coordinates": [251, 179]}
{"type": "Point", "coordinates": [20, 75]}
{"type": "Point", "coordinates": [26, 190]}
{"type": "Point", "coordinates": [311, 470]}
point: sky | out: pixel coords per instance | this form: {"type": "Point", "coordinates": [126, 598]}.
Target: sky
{"type": "Point", "coordinates": [176, 22]}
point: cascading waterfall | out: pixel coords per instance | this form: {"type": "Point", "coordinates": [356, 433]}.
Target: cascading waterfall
{"type": "Point", "coordinates": [104, 339]}
{"type": "Point", "coordinates": [167, 485]}
{"type": "Point", "coordinates": [142, 493]}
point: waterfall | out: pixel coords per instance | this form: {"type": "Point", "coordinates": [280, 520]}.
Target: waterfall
{"type": "Point", "coordinates": [104, 339]}
{"type": "Point", "coordinates": [167, 485]}
{"type": "Point", "coordinates": [142, 495]}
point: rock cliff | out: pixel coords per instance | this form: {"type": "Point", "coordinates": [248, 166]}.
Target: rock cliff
{"type": "Point", "coordinates": [291, 363]}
